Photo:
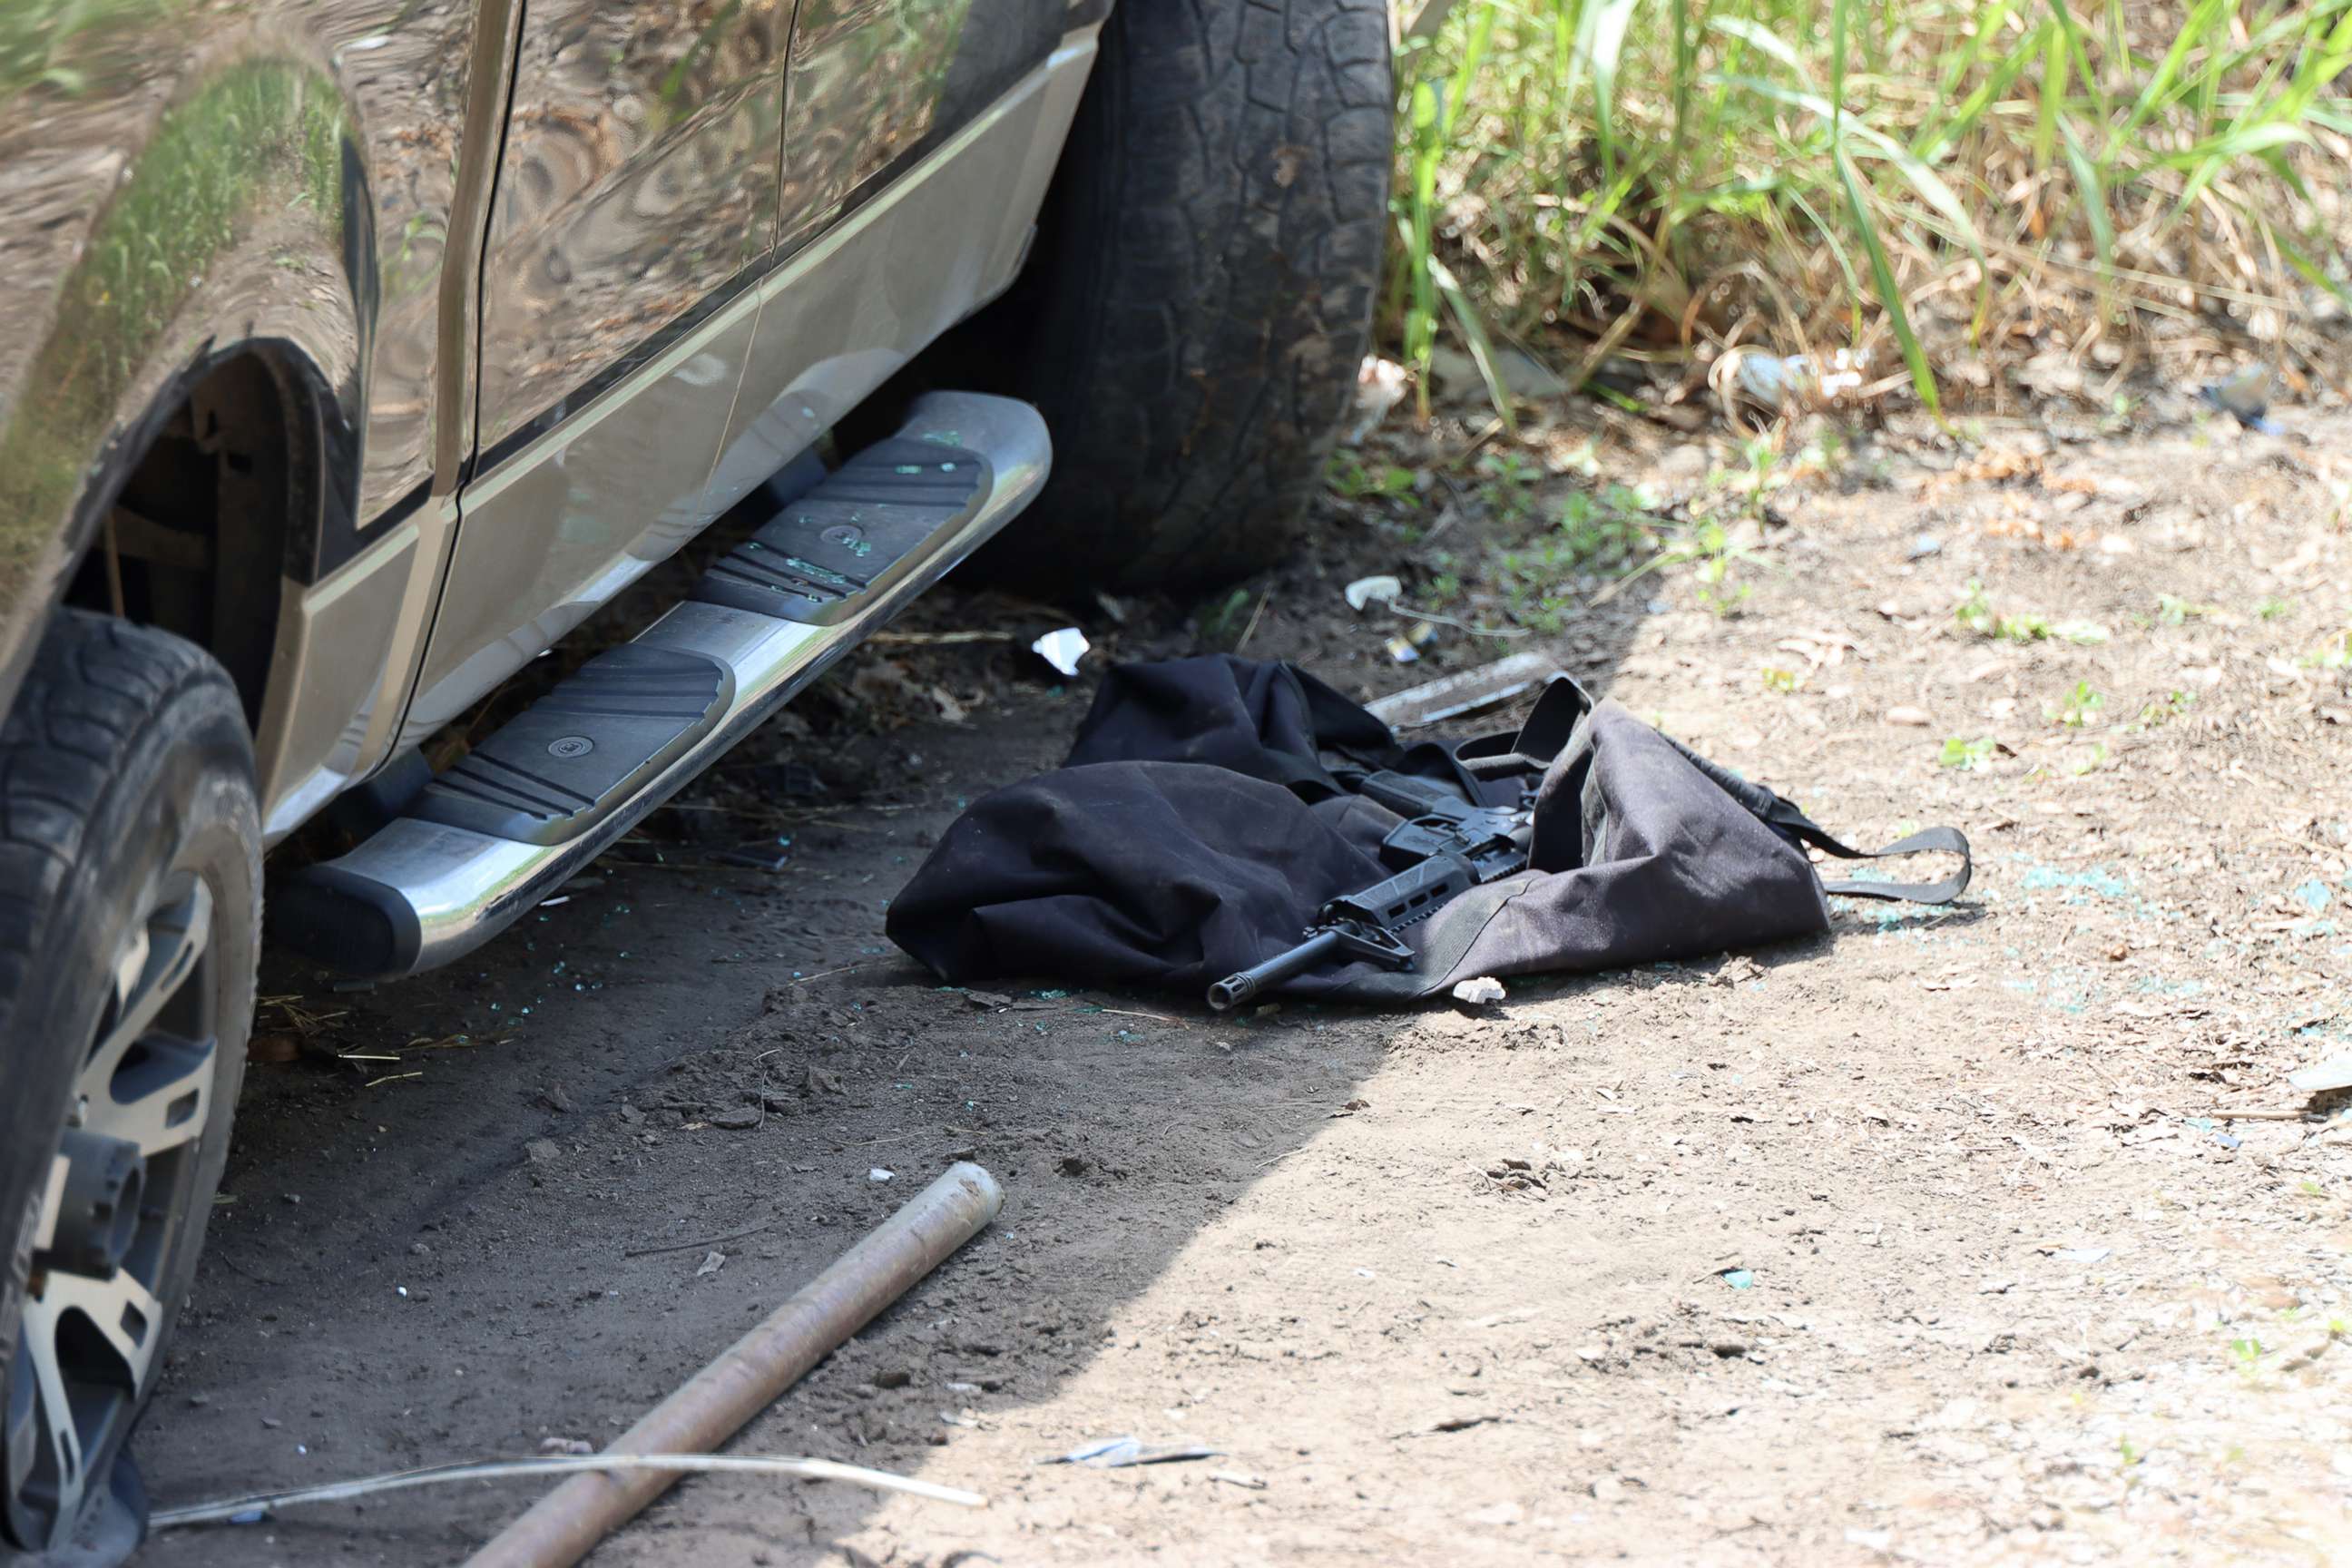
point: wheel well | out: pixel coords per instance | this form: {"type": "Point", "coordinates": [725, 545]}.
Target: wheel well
{"type": "Point", "coordinates": [195, 540]}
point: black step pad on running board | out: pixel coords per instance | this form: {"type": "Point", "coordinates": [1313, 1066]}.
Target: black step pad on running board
{"type": "Point", "coordinates": [561, 765]}
{"type": "Point", "coordinates": [852, 536]}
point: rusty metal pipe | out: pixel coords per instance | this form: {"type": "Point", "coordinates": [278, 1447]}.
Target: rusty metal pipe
{"type": "Point", "coordinates": [563, 1526]}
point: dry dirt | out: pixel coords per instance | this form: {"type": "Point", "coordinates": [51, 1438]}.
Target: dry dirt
{"type": "Point", "coordinates": [1933, 1240]}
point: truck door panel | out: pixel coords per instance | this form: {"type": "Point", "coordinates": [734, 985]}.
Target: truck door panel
{"type": "Point", "coordinates": [636, 204]}
{"type": "Point", "coordinates": [919, 138]}
{"type": "Point", "coordinates": [874, 83]}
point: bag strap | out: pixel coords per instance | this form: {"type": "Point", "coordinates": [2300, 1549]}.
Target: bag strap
{"type": "Point", "coordinates": [1782, 815]}
{"type": "Point", "coordinates": [1948, 839]}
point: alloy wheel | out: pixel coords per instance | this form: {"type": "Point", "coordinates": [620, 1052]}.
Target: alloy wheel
{"type": "Point", "coordinates": [110, 1218]}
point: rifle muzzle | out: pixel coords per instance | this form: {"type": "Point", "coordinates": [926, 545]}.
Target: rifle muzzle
{"type": "Point", "coordinates": [1236, 989]}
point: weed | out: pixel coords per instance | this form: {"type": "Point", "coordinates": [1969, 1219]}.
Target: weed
{"type": "Point", "coordinates": [2079, 707]}
{"type": "Point", "coordinates": [2270, 607]}
{"type": "Point", "coordinates": [1720, 594]}
{"type": "Point", "coordinates": [1350, 480]}
{"type": "Point", "coordinates": [2156, 715]}
{"type": "Point", "coordinates": [1973, 610]}
{"type": "Point", "coordinates": [1706, 547]}
{"type": "Point", "coordinates": [1606, 529]}
{"type": "Point", "coordinates": [1221, 621]}
{"type": "Point", "coordinates": [2087, 761]}
{"type": "Point", "coordinates": [2172, 609]}
{"type": "Point", "coordinates": [1971, 756]}
{"type": "Point", "coordinates": [1974, 613]}
{"type": "Point", "coordinates": [2249, 1351]}
{"type": "Point", "coordinates": [1784, 681]}
{"type": "Point", "coordinates": [1509, 489]}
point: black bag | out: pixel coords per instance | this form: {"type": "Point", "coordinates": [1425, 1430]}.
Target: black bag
{"type": "Point", "coordinates": [1205, 814]}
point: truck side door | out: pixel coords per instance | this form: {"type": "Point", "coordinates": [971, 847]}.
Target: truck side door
{"type": "Point", "coordinates": [636, 206]}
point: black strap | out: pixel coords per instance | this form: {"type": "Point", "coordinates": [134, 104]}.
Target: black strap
{"type": "Point", "coordinates": [1948, 839]}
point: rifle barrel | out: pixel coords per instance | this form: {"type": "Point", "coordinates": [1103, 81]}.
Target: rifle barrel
{"type": "Point", "coordinates": [1237, 989]}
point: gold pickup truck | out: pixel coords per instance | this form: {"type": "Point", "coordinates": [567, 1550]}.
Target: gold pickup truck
{"type": "Point", "coordinates": [353, 353]}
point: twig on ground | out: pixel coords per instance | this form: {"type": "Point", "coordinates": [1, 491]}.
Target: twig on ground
{"type": "Point", "coordinates": [690, 1246]}
{"type": "Point", "coordinates": [1246, 630]}
{"type": "Point", "coordinates": [1155, 1017]}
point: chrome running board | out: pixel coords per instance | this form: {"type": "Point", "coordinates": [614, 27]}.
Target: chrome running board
{"type": "Point", "coordinates": [523, 813]}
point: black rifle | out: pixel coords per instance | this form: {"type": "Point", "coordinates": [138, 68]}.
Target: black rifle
{"type": "Point", "coordinates": [1443, 847]}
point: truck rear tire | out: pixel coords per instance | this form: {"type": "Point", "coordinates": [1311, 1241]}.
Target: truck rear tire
{"type": "Point", "coordinates": [1192, 321]}
{"type": "Point", "coordinates": [130, 923]}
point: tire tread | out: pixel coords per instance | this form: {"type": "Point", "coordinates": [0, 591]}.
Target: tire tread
{"type": "Point", "coordinates": [94, 683]}
{"type": "Point", "coordinates": [1221, 287]}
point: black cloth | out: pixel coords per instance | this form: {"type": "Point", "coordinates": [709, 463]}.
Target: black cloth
{"type": "Point", "coordinates": [1205, 814]}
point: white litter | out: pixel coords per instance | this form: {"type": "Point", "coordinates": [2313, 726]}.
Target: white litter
{"type": "Point", "coordinates": [2336, 1072]}
{"type": "Point", "coordinates": [1062, 649]}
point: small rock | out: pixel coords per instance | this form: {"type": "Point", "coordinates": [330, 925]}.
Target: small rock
{"type": "Point", "coordinates": [1071, 1165]}
{"type": "Point", "coordinates": [542, 1152]}
{"type": "Point", "coordinates": [1909, 717]}
{"type": "Point", "coordinates": [565, 1446]}
{"type": "Point", "coordinates": [630, 1114]}
{"type": "Point", "coordinates": [743, 1119]}
{"type": "Point", "coordinates": [893, 1377]}
{"type": "Point", "coordinates": [819, 1081]}
{"type": "Point", "coordinates": [557, 1098]}
{"type": "Point", "coordinates": [1728, 1349]}
{"type": "Point", "coordinates": [712, 1262]}
{"type": "Point", "coordinates": [1609, 1488]}
{"type": "Point", "coordinates": [877, 1173]}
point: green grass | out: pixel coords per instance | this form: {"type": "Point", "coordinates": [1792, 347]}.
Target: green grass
{"type": "Point", "coordinates": [1922, 180]}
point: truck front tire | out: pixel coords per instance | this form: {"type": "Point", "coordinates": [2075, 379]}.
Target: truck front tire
{"type": "Point", "coordinates": [130, 923]}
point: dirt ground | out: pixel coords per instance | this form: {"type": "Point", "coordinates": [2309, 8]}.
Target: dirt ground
{"type": "Point", "coordinates": [1992, 1234]}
